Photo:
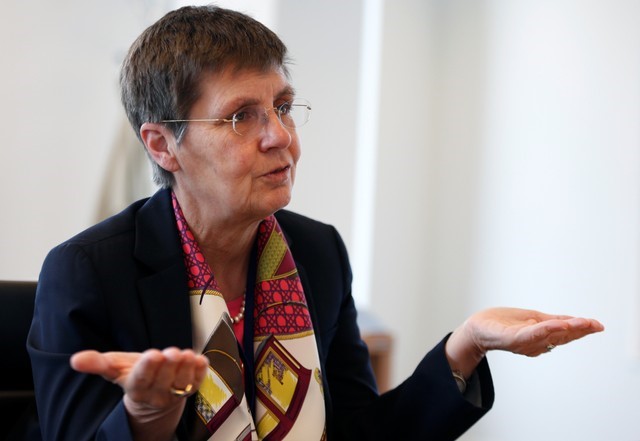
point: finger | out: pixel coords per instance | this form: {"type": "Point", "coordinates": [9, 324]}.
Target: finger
{"type": "Point", "coordinates": [541, 331]}
{"type": "Point", "coordinates": [202, 366]}
{"type": "Point", "coordinates": [572, 323]}
{"type": "Point", "coordinates": [533, 340]}
{"type": "Point", "coordinates": [543, 316]}
{"type": "Point", "coordinates": [585, 323]}
{"type": "Point", "coordinates": [167, 373]}
{"type": "Point", "coordinates": [189, 373]}
{"type": "Point", "coordinates": [143, 375]}
{"type": "Point", "coordinates": [113, 366]}
{"type": "Point", "coordinates": [562, 338]}
{"type": "Point", "coordinates": [90, 362]}
{"type": "Point", "coordinates": [578, 329]}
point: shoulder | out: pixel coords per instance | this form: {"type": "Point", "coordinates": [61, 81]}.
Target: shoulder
{"type": "Point", "coordinates": [115, 225]}
{"type": "Point", "coordinates": [125, 222]}
{"type": "Point", "coordinates": [114, 237]}
{"type": "Point", "coordinates": [111, 240]}
{"type": "Point", "coordinates": [110, 255]}
{"type": "Point", "coordinates": [314, 243]}
{"type": "Point", "coordinates": [290, 217]}
{"type": "Point", "coordinates": [300, 226]}
{"type": "Point", "coordinates": [308, 235]}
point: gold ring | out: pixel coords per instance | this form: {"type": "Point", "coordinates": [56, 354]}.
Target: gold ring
{"type": "Point", "coordinates": [181, 392]}
{"type": "Point", "coordinates": [550, 347]}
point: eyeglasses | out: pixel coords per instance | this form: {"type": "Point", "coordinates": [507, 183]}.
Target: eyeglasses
{"type": "Point", "coordinates": [251, 120]}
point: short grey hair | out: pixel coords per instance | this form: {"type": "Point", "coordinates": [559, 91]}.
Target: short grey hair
{"type": "Point", "coordinates": [161, 73]}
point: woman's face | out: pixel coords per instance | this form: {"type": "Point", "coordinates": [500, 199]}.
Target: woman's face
{"type": "Point", "coordinates": [238, 177]}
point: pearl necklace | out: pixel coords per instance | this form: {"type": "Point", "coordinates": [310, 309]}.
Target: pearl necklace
{"type": "Point", "coordinates": [240, 315]}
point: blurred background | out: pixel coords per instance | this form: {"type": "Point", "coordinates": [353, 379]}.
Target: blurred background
{"type": "Point", "coordinates": [472, 153]}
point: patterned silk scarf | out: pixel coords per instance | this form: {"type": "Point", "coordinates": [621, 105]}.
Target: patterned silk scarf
{"type": "Point", "coordinates": [287, 376]}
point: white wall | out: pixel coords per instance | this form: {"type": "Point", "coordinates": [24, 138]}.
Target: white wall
{"type": "Point", "coordinates": [516, 183]}
{"type": "Point", "coordinates": [324, 45]}
{"type": "Point", "coordinates": [60, 116]}
{"type": "Point", "coordinates": [558, 212]}
{"type": "Point", "coordinates": [508, 160]}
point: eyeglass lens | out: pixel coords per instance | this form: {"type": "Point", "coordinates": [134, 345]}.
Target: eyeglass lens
{"type": "Point", "coordinates": [291, 115]}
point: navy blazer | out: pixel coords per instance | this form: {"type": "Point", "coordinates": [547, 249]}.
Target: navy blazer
{"type": "Point", "coordinates": [121, 285]}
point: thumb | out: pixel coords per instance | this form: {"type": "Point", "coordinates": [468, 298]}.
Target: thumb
{"type": "Point", "coordinates": [93, 362]}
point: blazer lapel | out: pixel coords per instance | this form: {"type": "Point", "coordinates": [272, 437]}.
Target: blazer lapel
{"type": "Point", "coordinates": [163, 287]}
{"type": "Point", "coordinates": [308, 294]}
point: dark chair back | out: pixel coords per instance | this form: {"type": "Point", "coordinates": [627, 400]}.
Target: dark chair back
{"type": "Point", "coordinates": [17, 402]}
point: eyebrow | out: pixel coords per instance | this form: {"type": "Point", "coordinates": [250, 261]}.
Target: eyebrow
{"type": "Point", "coordinates": [287, 90]}
{"type": "Point", "coordinates": [243, 101]}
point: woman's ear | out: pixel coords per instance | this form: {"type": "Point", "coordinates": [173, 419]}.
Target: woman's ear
{"type": "Point", "coordinates": [161, 143]}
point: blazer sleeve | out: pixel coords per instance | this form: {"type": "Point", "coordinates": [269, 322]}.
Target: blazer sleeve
{"type": "Point", "coordinates": [71, 315]}
{"type": "Point", "coordinates": [427, 406]}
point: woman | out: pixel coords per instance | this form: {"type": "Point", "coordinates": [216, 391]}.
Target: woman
{"type": "Point", "coordinates": [211, 312]}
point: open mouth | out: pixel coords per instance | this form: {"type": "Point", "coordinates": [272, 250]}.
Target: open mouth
{"type": "Point", "coordinates": [279, 170]}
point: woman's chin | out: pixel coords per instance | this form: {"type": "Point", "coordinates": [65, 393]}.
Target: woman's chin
{"type": "Point", "coordinates": [268, 204]}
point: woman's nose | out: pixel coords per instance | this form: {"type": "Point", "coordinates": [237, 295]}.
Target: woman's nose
{"type": "Point", "coordinates": [275, 134]}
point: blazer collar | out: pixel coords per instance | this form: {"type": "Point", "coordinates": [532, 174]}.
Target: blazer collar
{"type": "Point", "coordinates": [163, 286]}
{"type": "Point", "coordinates": [309, 294]}
{"type": "Point", "coordinates": [157, 242]}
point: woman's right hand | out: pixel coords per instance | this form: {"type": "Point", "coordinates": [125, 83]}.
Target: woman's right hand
{"type": "Point", "coordinates": [149, 380]}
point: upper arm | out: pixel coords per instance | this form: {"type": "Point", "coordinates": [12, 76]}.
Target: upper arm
{"type": "Point", "coordinates": [70, 315]}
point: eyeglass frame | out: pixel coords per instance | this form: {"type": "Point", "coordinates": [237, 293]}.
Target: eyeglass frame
{"type": "Point", "coordinates": [233, 120]}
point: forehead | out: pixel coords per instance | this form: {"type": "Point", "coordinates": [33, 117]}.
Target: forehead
{"type": "Point", "coordinates": [242, 87]}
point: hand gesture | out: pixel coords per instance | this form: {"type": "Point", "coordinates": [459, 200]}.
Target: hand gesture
{"type": "Point", "coordinates": [154, 383]}
{"type": "Point", "coordinates": [520, 331]}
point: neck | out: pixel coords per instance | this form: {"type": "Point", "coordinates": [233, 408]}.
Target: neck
{"type": "Point", "coordinates": [230, 265]}
{"type": "Point", "coordinates": [226, 245]}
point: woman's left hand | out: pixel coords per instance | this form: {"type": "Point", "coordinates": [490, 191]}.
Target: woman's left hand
{"type": "Point", "coordinates": [520, 331]}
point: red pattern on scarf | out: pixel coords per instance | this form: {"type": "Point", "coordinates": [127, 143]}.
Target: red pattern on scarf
{"type": "Point", "coordinates": [198, 271]}
{"type": "Point", "coordinates": [281, 306]}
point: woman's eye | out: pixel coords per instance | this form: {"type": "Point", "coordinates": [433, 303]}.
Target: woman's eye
{"type": "Point", "coordinates": [284, 108]}
{"type": "Point", "coordinates": [245, 115]}
{"type": "Point", "coordinates": [240, 116]}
